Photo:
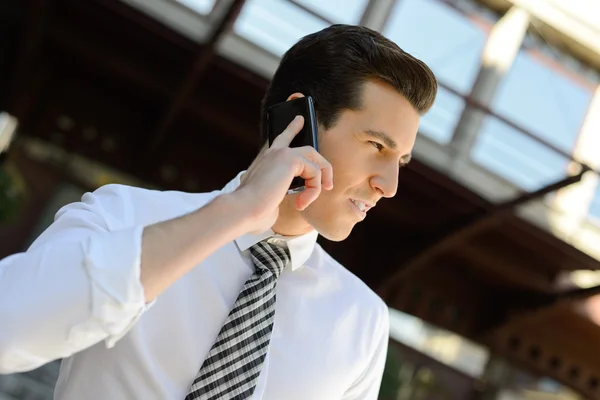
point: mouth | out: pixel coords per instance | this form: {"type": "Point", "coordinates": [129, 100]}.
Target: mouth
{"type": "Point", "coordinates": [361, 207]}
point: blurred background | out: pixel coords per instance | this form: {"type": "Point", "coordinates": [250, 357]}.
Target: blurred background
{"type": "Point", "coordinates": [488, 256]}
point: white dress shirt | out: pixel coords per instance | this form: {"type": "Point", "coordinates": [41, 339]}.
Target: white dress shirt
{"type": "Point", "coordinates": [76, 294]}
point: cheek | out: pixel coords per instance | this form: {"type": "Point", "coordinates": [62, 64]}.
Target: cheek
{"type": "Point", "coordinates": [352, 167]}
{"type": "Point", "coordinates": [349, 158]}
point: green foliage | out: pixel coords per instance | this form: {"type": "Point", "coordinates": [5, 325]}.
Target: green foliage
{"type": "Point", "coordinates": [391, 382]}
{"type": "Point", "coordinates": [11, 193]}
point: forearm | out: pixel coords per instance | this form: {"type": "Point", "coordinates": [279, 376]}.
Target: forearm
{"type": "Point", "coordinates": [172, 248]}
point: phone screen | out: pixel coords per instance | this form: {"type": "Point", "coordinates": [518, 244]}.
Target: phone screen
{"type": "Point", "coordinates": [280, 115]}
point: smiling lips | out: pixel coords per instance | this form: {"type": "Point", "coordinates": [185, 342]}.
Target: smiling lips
{"type": "Point", "coordinates": [361, 206]}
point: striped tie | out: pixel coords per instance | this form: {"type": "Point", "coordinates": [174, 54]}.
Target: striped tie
{"type": "Point", "coordinates": [233, 364]}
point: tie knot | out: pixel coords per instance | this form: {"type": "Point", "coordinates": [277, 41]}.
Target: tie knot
{"type": "Point", "coordinates": [269, 257]}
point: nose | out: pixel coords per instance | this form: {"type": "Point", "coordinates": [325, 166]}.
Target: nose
{"type": "Point", "coordinates": [386, 181]}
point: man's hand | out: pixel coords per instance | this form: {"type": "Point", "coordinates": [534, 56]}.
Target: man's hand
{"type": "Point", "coordinates": [268, 179]}
{"type": "Point", "coordinates": [171, 248]}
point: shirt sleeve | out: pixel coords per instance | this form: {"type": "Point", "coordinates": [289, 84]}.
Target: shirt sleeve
{"type": "Point", "coordinates": [368, 385]}
{"type": "Point", "coordinates": [78, 284]}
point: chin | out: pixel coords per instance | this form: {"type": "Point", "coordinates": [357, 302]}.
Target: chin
{"type": "Point", "coordinates": [335, 236]}
{"type": "Point", "coordinates": [330, 230]}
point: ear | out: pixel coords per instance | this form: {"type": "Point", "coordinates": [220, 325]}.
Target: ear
{"type": "Point", "coordinates": [295, 96]}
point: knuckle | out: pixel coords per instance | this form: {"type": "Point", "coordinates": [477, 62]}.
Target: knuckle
{"type": "Point", "coordinates": [298, 160]}
{"type": "Point", "coordinates": [281, 153]}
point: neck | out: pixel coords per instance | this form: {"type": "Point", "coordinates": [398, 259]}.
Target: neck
{"type": "Point", "coordinates": [290, 221]}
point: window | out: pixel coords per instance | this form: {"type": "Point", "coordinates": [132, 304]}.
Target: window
{"type": "Point", "coordinates": [200, 6]}
{"type": "Point", "coordinates": [275, 25]}
{"type": "Point", "coordinates": [517, 157]}
{"type": "Point", "coordinates": [441, 120]}
{"type": "Point", "coordinates": [444, 346]}
{"type": "Point", "coordinates": [444, 38]}
{"type": "Point", "coordinates": [278, 25]}
{"type": "Point", "coordinates": [451, 44]}
{"type": "Point", "coordinates": [594, 210]}
{"type": "Point", "coordinates": [338, 11]}
{"type": "Point", "coordinates": [543, 100]}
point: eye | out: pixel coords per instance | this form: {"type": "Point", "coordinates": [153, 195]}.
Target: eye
{"type": "Point", "coordinates": [378, 146]}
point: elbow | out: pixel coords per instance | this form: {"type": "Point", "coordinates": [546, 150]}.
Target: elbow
{"type": "Point", "coordinates": [8, 345]}
{"type": "Point", "coordinates": [14, 354]}
{"type": "Point", "coordinates": [5, 366]}
{"type": "Point", "coordinates": [9, 363]}
{"type": "Point", "coordinates": [18, 355]}
{"type": "Point", "coordinates": [22, 347]}
{"type": "Point", "coordinates": [14, 357]}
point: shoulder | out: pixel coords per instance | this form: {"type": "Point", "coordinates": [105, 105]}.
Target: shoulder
{"type": "Point", "coordinates": [120, 204]}
{"type": "Point", "coordinates": [125, 193]}
{"type": "Point", "coordinates": [153, 197]}
{"type": "Point", "coordinates": [356, 292]}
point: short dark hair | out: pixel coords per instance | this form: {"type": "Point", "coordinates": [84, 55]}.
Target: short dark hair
{"type": "Point", "coordinates": [333, 64]}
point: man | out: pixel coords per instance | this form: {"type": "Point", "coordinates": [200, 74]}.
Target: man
{"type": "Point", "coordinates": [170, 295]}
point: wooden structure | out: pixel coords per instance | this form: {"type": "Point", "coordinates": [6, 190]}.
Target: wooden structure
{"type": "Point", "coordinates": [100, 79]}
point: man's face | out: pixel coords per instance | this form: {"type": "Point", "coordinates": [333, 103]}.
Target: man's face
{"type": "Point", "coordinates": [366, 149]}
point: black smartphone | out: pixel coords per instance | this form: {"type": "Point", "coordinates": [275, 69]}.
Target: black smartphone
{"type": "Point", "coordinates": [279, 117]}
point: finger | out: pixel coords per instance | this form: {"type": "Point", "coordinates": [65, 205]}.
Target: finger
{"type": "Point", "coordinates": [286, 137]}
{"type": "Point", "coordinates": [311, 154]}
{"type": "Point", "coordinates": [311, 173]}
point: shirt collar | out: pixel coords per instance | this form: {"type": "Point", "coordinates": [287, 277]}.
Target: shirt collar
{"type": "Point", "coordinates": [300, 247]}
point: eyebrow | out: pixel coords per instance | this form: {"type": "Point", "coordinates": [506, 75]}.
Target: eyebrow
{"type": "Point", "coordinates": [390, 143]}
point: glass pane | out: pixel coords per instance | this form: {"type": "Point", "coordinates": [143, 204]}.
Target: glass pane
{"type": "Point", "coordinates": [200, 6]}
{"type": "Point", "coordinates": [594, 210]}
{"type": "Point", "coordinates": [444, 346]}
{"type": "Point", "coordinates": [275, 25]}
{"type": "Point", "coordinates": [339, 11]}
{"type": "Point", "coordinates": [440, 121]}
{"type": "Point", "coordinates": [444, 38]}
{"type": "Point", "coordinates": [516, 157]}
{"type": "Point", "coordinates": [543, 100]}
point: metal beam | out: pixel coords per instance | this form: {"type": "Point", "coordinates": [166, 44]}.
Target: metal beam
{"type": "Point", "coordinates": [311, 12]}
{"type": "Point", "coordinates": [518, 275]}
{"type": "Point", "coordinates": [577, 294]}
{"type": "Point", "coordinates": [193, 76]}
{"type": "Point", "coordinates": [535, 308]}
{"type": "Point", "coordinates": [498, 55]}
{"type": "Point", "coordinates": [461, 230]}
{"type": "Point", "coordinates": [577, 21]}
{"type": "Point", "coordinates": [133, 15]}
{"type": "Point", "coordinates": [470, 102]}
{"type": "Point", "coordinates": [377, 13]}
{"type": "Point", "coordinates": [123, 68]}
